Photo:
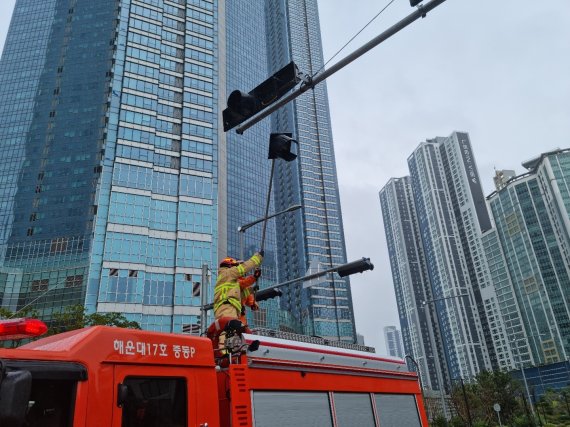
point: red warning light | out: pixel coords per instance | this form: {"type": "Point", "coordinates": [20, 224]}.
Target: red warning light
{"type": "Point", "coordinates": [16, 329]}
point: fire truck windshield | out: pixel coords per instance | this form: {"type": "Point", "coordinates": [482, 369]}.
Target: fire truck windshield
{"type": "Point", "coordinates": [49, 402]}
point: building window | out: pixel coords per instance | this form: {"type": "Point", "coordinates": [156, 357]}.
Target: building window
{"type": "Point", "coordinates": [40, 285]}
{"type": "Point", "coordinates": [59, 245]}
{"type": "Point", "coordinates": [74, 281]}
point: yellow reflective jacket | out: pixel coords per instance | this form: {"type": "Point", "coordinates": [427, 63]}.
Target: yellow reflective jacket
{"type": "Point", "coordinates": [227, 288]}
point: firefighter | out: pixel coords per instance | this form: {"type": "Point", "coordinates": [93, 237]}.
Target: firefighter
{"type": "Point", "coordinates": [247, 296]}
{"type": "Point", "coordinates": [227, 292]}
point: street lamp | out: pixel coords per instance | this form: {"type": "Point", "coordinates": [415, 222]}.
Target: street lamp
{"type": "Point", "coordinates": [243, 228]}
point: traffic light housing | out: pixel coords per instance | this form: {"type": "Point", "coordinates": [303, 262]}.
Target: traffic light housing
{"type": "Point", "coordinates": [268, 293]}
{"type": "Point", "coordinates": [242, 106]}
{"type": "Point", "coordinates": [280, 147]}
{"type": "Point", "coordinates": [359, 266]}
{"type": "Point", "coordinates": [415, 2]}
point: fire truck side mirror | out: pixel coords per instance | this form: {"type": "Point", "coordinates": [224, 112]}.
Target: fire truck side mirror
{"type": "Point", "coordinates": [15, 389]}
{"type": "Point", "coordinates": [122, 394]}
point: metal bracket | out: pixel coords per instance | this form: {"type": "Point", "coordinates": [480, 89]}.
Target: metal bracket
{"type": "Point", "coordinates": [306, 81]}
{"type": "Point", "coordinates": [422, 10]}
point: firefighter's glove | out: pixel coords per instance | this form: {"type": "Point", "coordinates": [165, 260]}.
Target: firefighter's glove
{"type": "Point", "coordinates": [261, 252]}
{"type": "Point", "coordinates": [257, 273]}
{"type": "Point", "coordinates": [254, 306]}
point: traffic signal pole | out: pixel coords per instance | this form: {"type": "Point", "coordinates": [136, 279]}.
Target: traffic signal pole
{"type": "Point", "coordinates": [343, 270]}
{"type": "Point", "coordinates": [267, 204]}
{"type": "Point", "coordinates": [311, 82]}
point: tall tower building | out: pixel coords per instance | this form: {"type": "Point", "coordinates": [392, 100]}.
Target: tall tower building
{"type": "Point", "coordinates": [503, 311]}
{"type": "Point", "coordinates": [317, 233]}
{"type": "Point", "coordinates": [111, 196]}
{"type": "Point", "coordinates": [452, 216]}
{"type": "Point", "coordinates": [119, 184]}
{"type": "Point", "coordinates": [393, 340]}
{"type": "Point", "coordinates": [420, 331]}
{"type": "Point", "coordinates": [532, 217]}
{"type": "Point", "coordinates": [248, 168]}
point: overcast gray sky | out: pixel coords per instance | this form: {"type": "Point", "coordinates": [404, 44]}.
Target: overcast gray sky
{"type": "Point", "coordinates": [498, 69]}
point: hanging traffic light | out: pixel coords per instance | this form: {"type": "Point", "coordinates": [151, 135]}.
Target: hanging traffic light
{"type": "Point", "coordinates": [415, 2]}
{"type": "Point", "coordinates": [280, 146]}
{"type": "Point", "coordinates": [359, 266]}
{"type": "Point", "coordinates": [242, 106]}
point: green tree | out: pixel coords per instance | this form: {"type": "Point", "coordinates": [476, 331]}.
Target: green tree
{"type": "Point", "coordinates": [74, 317]}
{"type": "Point", "coordinates": [70, 318]}
{"type": "Point", "coordinates": [497, 387]}
{"type": "Point", "coordinates": [486, 389]}
{"type": "Point", "coordinates": [25, 312]}
{"type": "Point", "coordinates": [111, 319]}
{"type": "Point", "coordinates": [565, 397]}
{"type": "Point", "coordinates": [463, 398]}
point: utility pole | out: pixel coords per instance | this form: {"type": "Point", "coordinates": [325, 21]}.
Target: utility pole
{"type": "Point", "coordinates": [203, 298]}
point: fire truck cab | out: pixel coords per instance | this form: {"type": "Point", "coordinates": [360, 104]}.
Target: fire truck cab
{"type": "Point", "coordinates": [105, 376]}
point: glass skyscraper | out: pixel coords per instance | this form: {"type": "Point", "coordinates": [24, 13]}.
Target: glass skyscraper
{"type": "Point", "coordinates": [118, 183]}
{"type": "Point", "coordinates": [317, 235]}
{"type": "Point", "coordinates": [248, 167]}
{"type": "Point", "coordinates": [111, 195]}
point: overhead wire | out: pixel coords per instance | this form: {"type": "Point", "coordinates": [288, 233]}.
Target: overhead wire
{"type": "Point", "coordinates": [353, 37]}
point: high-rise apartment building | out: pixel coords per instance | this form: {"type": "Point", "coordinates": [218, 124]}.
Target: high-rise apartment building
{"type": "Point", "coordinates": [393, 340]}
{"type": "Point", "coordinates": [439, 223]}
{"type": "Point", "coordinates": [532, 217]}
{"type": "Point", "coordinates": [421, 334]}
{"type": "Point", "coordinates": [118, 183]}
{"type": "Point", "coordinates": [452, 215]}
{"type": "Point", "coordinates": [503, 313]}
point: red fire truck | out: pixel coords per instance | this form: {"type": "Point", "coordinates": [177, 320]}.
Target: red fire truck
{"type": "Point", "coordinates": [105, 376]}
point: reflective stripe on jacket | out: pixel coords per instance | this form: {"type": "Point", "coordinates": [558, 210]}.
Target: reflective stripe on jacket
{"type": "Point", "coordinates": [227, 288]}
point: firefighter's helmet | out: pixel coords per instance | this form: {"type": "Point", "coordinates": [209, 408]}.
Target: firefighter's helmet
{"type": "Point", "coordinates": [229, 262]}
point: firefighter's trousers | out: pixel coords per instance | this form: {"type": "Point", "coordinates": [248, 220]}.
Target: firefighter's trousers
{"type": "Point", "coordinates": [225, 310]}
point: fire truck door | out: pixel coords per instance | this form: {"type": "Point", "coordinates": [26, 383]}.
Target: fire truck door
{"type": "Point", "coordinates": [151, 397]}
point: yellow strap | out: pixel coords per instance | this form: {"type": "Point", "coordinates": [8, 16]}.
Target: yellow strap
{"type": "Point", "coordinates": [221, 294]}
{"type": "Point", "coordinates": [256, 259]}
{"type": "Point", "coordinates": [233, 301]}
{"type": "Point", "coordinates": [225, 286]}
{"type": "Point", "coordinates": [241, 270]}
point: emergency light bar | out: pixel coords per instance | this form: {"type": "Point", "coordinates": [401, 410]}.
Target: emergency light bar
{"type": "Point", "coordinates": [16, 329]}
